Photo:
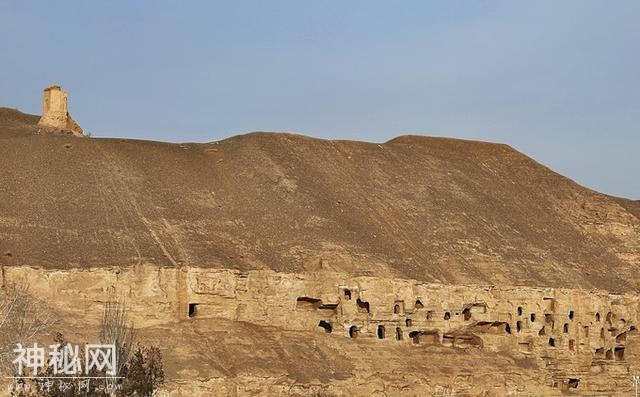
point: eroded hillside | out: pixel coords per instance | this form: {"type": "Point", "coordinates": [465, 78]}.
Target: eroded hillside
{"type": "Point", "coordinates": [280, 265]}
{"type": "Point", "coordinates": [432, 209]}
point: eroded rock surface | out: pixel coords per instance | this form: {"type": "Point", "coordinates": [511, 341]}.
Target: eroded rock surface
{"type": "Point", "coordinates": [226, 332]}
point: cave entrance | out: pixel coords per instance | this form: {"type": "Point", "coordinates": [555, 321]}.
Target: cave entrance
{"type": "Point", "coordinates": [363, 307]}
{"type": "Point", "coordinates": [380, 331]}
{"type": "Point", "coordinates": [573, 383]}
{"type": "Point", "coordinates": [307, 303]}
{"type": "Point", "coordinates": [193, 309]}
{"type": "Point", "coordinates": [353, 332]}
{"type": "Point", "coordinates": [619, 353]}
{"type": "Point", "coordinates": [398, 333]}
{"type": "Point", "coordinates": [328, 328]}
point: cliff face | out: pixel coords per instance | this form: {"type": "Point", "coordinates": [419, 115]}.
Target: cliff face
{"type": "Point", "coordinates": [431, 209]}
{"type": "Point", "coordinates": [276, 264]}
{"type": "Point", "coordinates": [231, 333]}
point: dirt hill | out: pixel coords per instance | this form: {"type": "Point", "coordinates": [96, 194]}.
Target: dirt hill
{"type": "Point", "coordinates": [431, 209]}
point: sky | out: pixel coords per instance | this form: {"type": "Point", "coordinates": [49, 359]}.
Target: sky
{"type": "Point", "coordinates": [557, 80]}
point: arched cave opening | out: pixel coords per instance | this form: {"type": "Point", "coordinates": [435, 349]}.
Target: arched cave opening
{"type": "Point", "coordinates": [353, 331]}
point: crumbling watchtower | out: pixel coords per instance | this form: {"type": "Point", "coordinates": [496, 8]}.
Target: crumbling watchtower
{"type": "Point", "coordinates": [55, 114]}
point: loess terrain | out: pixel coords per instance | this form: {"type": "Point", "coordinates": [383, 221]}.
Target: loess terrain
{"type": "Point", "coordinates": [278, 264]}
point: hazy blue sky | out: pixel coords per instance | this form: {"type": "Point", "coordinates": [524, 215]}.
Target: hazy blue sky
{"type": "Point", "coordinates": [558, 80]}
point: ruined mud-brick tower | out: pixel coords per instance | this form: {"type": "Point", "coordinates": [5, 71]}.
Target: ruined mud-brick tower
{"type": "Point", "coordinates": [55, 115]}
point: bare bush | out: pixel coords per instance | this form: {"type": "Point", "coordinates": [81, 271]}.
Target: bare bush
{"type": "Point", "coordinates": [23, 319]}
{"type": "Point", "coordinates": [142, 367]}
{"type": "Point", "coordinates": [117, 329]}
